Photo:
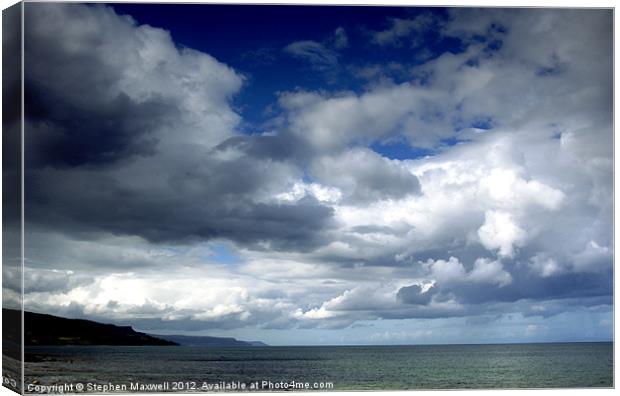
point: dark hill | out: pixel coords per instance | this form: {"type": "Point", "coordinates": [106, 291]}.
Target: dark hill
{"type": "Point", "coordinates": [41, 329]}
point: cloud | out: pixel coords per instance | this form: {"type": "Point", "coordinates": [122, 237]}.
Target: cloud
{"type": "Point", "coordinates": [138, 171]}
{"type": "Point", "coordinates": [402, 29]}
{"type": "Point", "coordinates": [499, 231]}
{"type": "Point", "coordinates": [143, 87]}
{"type": "Point", "coordinates": [145, 302]}
{"type": "Point", "coordinates": [364, 176]}
{"type": "Point", "coordinates": [488, 271]}
{"type": "Point", "coordinates": [484, 271]}
{"type": "Point", "coordinates": [447, 271]}
{"type": "Point", "coordinates": [545, 266]}
{"type": "Point", "coordinates": [320, 57]}
{"type": "Point", "coordinates": [415, 294]}
{"type": "Point", "coordinates": [592, 258]}
{"type": "Point", "coordinates": [340, 38]}
{"type": "Point", "coordinates": [11, 66]}
{"type": "Point", "coordinates": [334, 122]}
{"type": "Point", "coordinates": [52, 281]}
{"type": "Point", "coordinates": [146, 124]}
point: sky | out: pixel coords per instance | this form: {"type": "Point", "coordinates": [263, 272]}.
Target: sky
{"type": "Point", "coordinates": [321, 175]}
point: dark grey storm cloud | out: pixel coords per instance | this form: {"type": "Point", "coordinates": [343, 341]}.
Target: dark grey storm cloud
{"type": "Point", "coordinates": [414, 295]}
{"type": "Point", "coordinates": [189, 208]}
{"type": "Point", "coordinates": [282, 147]}
{"type": "Point", "coordinates": [102, 156]}
{"type": "Point", "coordinates": [90, 130]}
{"type": "Point", "coordinates": [11, 59]}
{"type": "Point", "coordinates": [11, 123]}
{"type": "Point", "coordinates": [523, 287]}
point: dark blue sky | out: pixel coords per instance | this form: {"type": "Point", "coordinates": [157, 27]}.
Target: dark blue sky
{"type": "Point", "coordinates": [254, 46]}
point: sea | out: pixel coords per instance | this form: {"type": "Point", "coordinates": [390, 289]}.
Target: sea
{"type": "Point", "coordinates": [100, 369]}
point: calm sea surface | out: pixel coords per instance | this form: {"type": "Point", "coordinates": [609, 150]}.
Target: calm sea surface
{"type": "Point", "coordinates": [348, 368]}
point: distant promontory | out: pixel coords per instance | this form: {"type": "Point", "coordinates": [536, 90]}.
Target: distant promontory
{"type": "Point", "coordinates": [206, 341]}
{"type": "Point", "coordinates": [49, 330]}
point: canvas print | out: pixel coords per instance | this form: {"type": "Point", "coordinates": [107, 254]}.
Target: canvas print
{"type": "Point", "coordinates": [203, 197]}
